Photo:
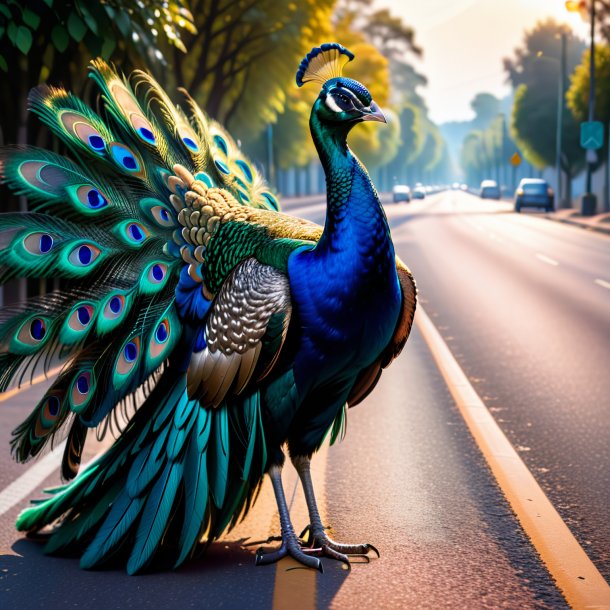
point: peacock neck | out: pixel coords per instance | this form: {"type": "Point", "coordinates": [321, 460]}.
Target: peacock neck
{"type": "Point", "coordinates": [354, 214]}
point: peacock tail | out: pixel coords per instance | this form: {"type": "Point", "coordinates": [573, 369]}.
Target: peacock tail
{"type": "Point", "coordinates": [153, 217]}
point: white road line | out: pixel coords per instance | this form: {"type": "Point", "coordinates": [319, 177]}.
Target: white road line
{"type": "Point", "coordinates": [602, 283]}
{"type": "Point", "coordinates": [30, 479]}
{"type": "Point", "coordinates": [546, 259]}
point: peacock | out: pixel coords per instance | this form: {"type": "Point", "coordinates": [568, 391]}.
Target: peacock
{"type": "Point", "coordinates": [236, 331]}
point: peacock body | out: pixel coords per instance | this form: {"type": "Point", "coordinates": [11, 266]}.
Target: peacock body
{"type": "Point", "coordinates": [244, 328]}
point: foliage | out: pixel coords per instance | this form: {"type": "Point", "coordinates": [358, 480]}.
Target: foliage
{"type": "Point", "coordinates": [52, 41]}
{"type": "Point", "coordinates": [100, 27]}
{"type": "Point", "coordinates": [243, 58]}
{"type": "Point", "coordinates": [578, 94]}
{"type": "Point", "coordinates": [535, 74]}
{"type": "Point", "coordinates": [486, 107]}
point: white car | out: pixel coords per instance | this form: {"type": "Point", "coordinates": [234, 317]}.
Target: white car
{"type": "Point", "coordinates": [401, 192]}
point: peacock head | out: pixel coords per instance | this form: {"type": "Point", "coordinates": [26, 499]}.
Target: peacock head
{"type": "Point", "coordinates": [341, 100]}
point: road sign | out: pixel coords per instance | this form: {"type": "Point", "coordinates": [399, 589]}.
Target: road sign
{"type": "Point", "coordinates": [515, 160]}
{"type": "Point", "coordinates": [591, 135]}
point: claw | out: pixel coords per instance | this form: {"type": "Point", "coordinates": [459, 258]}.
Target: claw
{"type": "Point", "coordinates": [286, 550]}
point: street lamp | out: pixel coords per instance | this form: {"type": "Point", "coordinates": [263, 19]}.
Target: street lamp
{"type": "Point", "coordinates": [588, 201]}
{"type": "Point", "coordinates": [560, 104]}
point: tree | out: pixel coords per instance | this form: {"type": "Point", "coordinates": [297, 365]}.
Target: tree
{"type": "Point", "coordinates": [534, 73]}
{"type": "Point", "coordinates": [243, 58]}
{"type": "Point", "coordinates": [51, 41]}
{"type": "Point", "coordinates": [578, 100]}
{"type": "Point", "coordinates": [486, 107]}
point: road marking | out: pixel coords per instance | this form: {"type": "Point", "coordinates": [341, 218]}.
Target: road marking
{"type": "Point", "coordinates": [575, 574]}
{"type": "Point", "coordinates": [30, 479]}
{"type": "Point", "coordinates": [40, 378]}
{"type": "Point", "coordinates": [546, 259]}
{"type": "Point", "coordinates": [602, 283]}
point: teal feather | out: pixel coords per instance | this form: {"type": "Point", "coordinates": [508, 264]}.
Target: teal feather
{"type": "Point", "coordinates": [218, 456]}
{"type": "Point", "coordinates": [155, 517]}
{"type": "Point", "coordinates": [113, 530]}
{"type": "Point", "coordinates": [196, 488]}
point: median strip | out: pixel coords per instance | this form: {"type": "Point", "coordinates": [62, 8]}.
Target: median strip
{"type": "Point", "coordinates": [575, 574]}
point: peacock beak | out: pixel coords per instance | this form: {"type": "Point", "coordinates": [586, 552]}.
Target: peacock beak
{"type": "Point", "coordinates": [373, 113]}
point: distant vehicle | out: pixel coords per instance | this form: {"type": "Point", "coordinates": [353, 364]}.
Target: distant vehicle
{"type": "Point", "coordinates": [456, 186]}
{"type": "Point", "coordinates": [401, 192]}
{"type": "Point", "coordinates": [489, 190]}
{"type": "Point", "coordinates": [419, 192]}
{"type": "Point", "coordinates": [463, 187]}
{"type": "Point", "coordinates": [534, 192]}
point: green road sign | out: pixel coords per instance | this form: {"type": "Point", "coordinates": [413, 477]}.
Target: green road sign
{"type": "Point", "coordinates": [591, 135]}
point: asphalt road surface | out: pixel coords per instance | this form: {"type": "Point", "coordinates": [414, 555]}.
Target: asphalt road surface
{"type": "Point", "coordinates": [516, 299]}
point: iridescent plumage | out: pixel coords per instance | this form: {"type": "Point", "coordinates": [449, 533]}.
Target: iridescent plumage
{"type": "Point", "coordinates": [245, 328]}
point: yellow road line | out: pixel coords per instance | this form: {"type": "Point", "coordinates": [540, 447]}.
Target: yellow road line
{"type": "Point", "coordinates": [38, 379]}
{"type": "Point", "coordinates": [575, 574]}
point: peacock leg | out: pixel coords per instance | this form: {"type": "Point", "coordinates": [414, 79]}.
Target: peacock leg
{"type": "Point", "coordinates": [291, 545]}
{"type": "Point", "coordinates": [317, 531]}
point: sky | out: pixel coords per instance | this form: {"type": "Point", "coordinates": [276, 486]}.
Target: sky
{"type": "Point", "coordinates": [464, 42]}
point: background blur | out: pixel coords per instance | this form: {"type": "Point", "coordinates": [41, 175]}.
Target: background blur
{"type": "Point", "coordinates": [465, 83]}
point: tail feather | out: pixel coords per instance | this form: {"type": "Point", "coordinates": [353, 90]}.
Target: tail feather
{"type": "Point", "coordinates": [128, 510]}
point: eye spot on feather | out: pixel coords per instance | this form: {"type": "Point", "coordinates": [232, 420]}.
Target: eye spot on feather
{"type": "Point", "coordinates": [53, 405]}
{"type": "Point", "coordinates": [162, 332]}
{"type": "Point", "coordinates": [203, 177]}
{"type": "Point", "coordinates": [82, 391]}
{"type": "Point", "coordinates": [38, 329]}
{"type": "Point", "coordinates": [245, 170]}
{"type": "Point", "coordinates": [95, 199]}
{"type": "Point", "coordinates": [157, 272]}
{"type": "Point", "coordinates": [128, 357]}
{"type": "Point", "coordinates": [221, 143]}
{"type": "Point", "coordinates": [271, 200]}
{"type": "Point", "coordinates": [190, 144]}
{"type": "Point", "coordinates": [82, 383]}
{"type": "Point", "coordinates": [38, 243]}
{"type": "Point", "coordinates": [222, 166]}
{"type": "Point", "coordinates": [84, 315]}
{"type": "Point", "coordinates": [46, 243]}
{"type": "Point", "coordinates": [131, 351]}
{"type": "Point", "coordinates": [147, 135]}
{"type": "Point", "coordinates": [84, 255]}
{"type": "Point", "coordinates": [116, 304]}
{"type": "Point", "coordinates": [124, 157]}
{"type": "Point", "coordinates": [136, 232]}
{"type": "Point", "coordinates": [96, 142]}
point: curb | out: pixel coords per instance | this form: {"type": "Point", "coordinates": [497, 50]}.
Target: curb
{"type": "Point", "coordinates": [598, 228]}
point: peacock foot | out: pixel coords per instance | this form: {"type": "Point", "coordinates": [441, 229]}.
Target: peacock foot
{"type": "Point", "coordinates": [319, 541]}
{"type": "Point", "coordinates": [290, 547]}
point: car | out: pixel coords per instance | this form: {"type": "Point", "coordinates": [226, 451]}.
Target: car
{"type": "Point", "coordinates": [534, 192]}
{"type": "Point", "coordinates": [489, 190]}
{"type": "Point", "coordinates": [419, 192]}
{"type": "Point", "coordinates": [401, 192]}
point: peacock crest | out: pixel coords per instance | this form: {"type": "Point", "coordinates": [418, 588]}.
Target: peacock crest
{"type": "Point", "coordinates": [323, 63]}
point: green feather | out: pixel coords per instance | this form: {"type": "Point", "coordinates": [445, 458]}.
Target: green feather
{"type": "Point", "coordinates": [113, 531]}
{"type": "Point", "coordinates": [218, 456]}
{"type": "Point", "coordinates": [155, 517]}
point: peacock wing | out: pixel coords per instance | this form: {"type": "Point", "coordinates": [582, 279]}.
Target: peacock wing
{"type": "Point", "coordinates": [235, 290]}
{"type": "Point", "coordinates": [369, 377]}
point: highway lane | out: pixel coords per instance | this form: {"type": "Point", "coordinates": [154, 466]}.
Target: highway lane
{"type": "Point", "coordinates": [407, 478]}
{"type": "Point", "coordinates": [518, 300]}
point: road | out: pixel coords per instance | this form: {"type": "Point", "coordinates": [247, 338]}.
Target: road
{"type": "Point", "coordinates": [516, 300]}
